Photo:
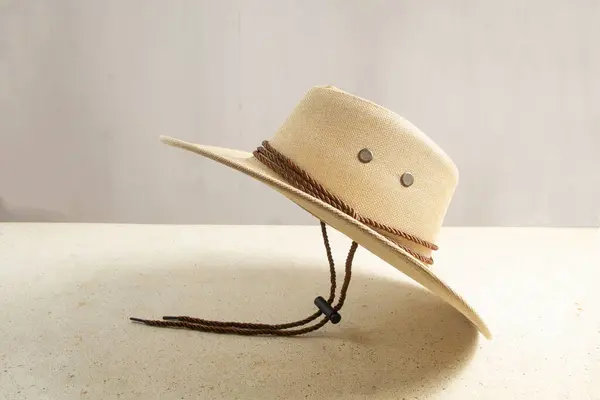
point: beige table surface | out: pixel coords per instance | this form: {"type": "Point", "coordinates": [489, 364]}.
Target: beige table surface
{"type": "Point", "coordinates": [67, 291]}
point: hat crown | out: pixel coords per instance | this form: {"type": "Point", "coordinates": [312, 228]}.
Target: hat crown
{"type": "Point", "coordinates": [324, 135]}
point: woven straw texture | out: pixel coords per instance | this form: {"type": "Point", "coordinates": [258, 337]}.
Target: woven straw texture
{"type": "Point", "coordinates": [328, 128]}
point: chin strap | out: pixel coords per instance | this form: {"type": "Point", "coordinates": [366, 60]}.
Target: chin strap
{"type": "Point", "coordinates": [331, 313]}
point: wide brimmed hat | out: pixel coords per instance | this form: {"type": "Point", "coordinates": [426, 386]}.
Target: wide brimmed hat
{"type": "Point", "coordinates": [363, 170]}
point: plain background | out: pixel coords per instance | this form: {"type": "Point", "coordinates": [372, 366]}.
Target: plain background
{"type": "Point", "coordinates": [510, 89]}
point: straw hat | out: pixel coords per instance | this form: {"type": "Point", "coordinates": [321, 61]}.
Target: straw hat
{"type": "Point", "coordinates": [364, 171]}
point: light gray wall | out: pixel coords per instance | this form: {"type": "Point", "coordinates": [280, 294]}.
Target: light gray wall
{"type": "Point", "coordinates": [510, 89]}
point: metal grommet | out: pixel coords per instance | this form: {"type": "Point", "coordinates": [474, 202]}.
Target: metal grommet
{"type": "Point", "coordinates": [365, 156]}
{"type": "Point", "coordinates": [407, 179]}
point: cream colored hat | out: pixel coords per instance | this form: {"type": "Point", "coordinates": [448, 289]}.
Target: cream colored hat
{"type": "Point", "coordinates": [364, 171]}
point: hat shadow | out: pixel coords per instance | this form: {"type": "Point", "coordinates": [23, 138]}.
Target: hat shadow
{"type": "Point", "coordinates": [395, 338]}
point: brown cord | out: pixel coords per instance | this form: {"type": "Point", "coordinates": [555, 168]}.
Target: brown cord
{"type": "Point", "coordinates": [254, 329]}
{"type": "Point", "coordinates": [301, 180]}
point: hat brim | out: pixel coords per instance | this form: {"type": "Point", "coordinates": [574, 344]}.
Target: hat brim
{"type": "Point", "coordinates": [362, 234]}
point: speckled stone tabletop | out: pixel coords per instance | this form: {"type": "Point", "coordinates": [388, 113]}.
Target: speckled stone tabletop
{"type": "Point", "coordinates": [67, 292]}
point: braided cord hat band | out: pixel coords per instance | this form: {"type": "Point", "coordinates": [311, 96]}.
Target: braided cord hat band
{"type": "Point", "coordinates": [300, 179]}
